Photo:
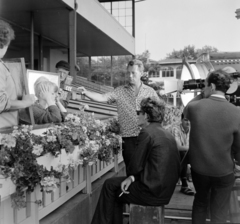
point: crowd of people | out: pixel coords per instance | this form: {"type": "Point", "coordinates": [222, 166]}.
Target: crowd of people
{"type": "Point", "coordinates": [207, 139]}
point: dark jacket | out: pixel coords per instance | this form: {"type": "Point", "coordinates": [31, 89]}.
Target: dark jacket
{"type": "Point", "coordinates": [156, 165]}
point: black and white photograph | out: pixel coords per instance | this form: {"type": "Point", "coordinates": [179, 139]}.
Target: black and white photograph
{"type": "Point", "coordinates": [119, 111]}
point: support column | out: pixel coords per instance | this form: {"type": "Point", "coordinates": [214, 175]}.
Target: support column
{"type": "Point", "coordinates": [72, 41]}
{"type": "Point", "coordinates": [40, 53]}
{"type": "Point", "coordinates": [32, 41]}
{"type": "Point", "coordinates": [133, 18]}
{"type": "Point", "coordinates": [90, 68]}
{"type": "Point", "coordinates": [111, 76]}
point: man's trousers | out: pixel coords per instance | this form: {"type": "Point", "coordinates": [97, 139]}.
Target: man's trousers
{"type": "Point", "coordinates": [213, 192]}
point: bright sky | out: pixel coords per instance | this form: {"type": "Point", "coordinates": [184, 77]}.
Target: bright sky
{"type": "Point", "coordinates": [164, 25]}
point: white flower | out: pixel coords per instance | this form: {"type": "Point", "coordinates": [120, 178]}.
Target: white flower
{"type": "Point", "coordinates": [59, 167]}
{"type": "Point", "coordinates": [108, 142]}
{"type": "Point", "coordinates": [51, 138]}
{"type": "Point", "coordinates": [49, 184]}
{"type": "Point", "coordinates": [37, 150]}
{"type": "Point", "coordinates": [98, 122]}
{"type": "Point", "coordinates": [84, 129]}
{"type": "Point", "coordinates": [1, 138]}
{"type": "Point", "coordinates": [9, 141]}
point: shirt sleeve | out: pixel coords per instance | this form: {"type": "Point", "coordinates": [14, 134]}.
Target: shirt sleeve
{"type": "Point", "coordinates": [4, 98]}
{"type": "Point", "coordinates": [155, 94]}
{"type": "Point", "coordinates": [112, 96]}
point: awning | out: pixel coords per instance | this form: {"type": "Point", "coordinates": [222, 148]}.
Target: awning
{"type": "Point", "coordinates": [98, 33]}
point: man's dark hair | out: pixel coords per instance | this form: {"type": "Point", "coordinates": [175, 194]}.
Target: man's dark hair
{"type": "Point", "coordinates": [138, 63]}
{"type": "Point", "coordinates": [221, 80]}
{"type": "Point", "coordinates": [65, 65]}
{"type": "Point", "coordinates": [154, 108]}
{"type": "Point", "coordinates": [6, 34]}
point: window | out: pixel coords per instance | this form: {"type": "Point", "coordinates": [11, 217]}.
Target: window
{"type": "Point", "coordinates": [122, 12]}
{"type": "Point", "coordinates": [167, 72]}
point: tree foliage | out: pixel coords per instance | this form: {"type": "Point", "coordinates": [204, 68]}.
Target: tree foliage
{"type": "Point", "coordinates": [190, 52]}
{"type": "Point", "coordinates": [144, 57]}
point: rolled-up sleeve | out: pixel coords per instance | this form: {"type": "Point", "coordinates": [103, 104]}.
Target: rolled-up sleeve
{"type": "Point", "coordinates": [111, 96]}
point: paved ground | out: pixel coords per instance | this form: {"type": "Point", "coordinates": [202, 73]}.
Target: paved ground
{"type": "Point", "coordinates": [179, 209]}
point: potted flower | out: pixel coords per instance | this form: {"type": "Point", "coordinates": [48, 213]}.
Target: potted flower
{"type": "Point", "coordinates": [6, 185]}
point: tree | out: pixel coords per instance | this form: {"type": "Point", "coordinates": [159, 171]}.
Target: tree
{"type": "Point", "coordinates": [144, 57]}
{"type": "Point", "coordinates": [190, 52]}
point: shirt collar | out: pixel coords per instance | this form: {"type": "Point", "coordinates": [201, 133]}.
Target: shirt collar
{"type": "Point", "coordinates": [219, 96]}
{"type": "Point", "coordinates": [183, 130]}
{"type": "Point", "coordinates": [130, 86]}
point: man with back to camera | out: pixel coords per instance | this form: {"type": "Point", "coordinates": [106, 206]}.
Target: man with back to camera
{"type": "Point", "coordinates": [127, 98]}
{"type": "Point", "coordinates": [214, 142]}
{"type": "Point", "coordinates": [154, 173]}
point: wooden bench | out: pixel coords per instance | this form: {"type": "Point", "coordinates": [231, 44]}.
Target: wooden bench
{"type": "Point", "coordinates": [146, 214]}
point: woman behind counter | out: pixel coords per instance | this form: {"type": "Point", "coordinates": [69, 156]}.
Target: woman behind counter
{"type": "Point", "coordinates": [48, 108]}
{"type": "Point", "coordinates": [9, 103]}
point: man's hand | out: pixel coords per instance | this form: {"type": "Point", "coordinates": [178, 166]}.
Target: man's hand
{"type": "Point", "coordinates": [28, 100]}
{"type": "Point", "coordinates": [83, 90]}
{"type": "Point", "coordinates": [125, 185]}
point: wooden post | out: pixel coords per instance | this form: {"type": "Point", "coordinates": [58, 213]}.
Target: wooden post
{"type": "Point", "coordinates": [90, 68]}
{"type": "Point", "coordinates": [72, 41]}
{"type": "Point", "coordinates": [40, 53]}
{"type": "Point", "coordinates": [88, 189]}
{"type": "Point", "coordinates": [32, 42]}
{"type": "Point", "coordinates": [116, 168]}
{"type": "Point", "coordinates": [32, 207]}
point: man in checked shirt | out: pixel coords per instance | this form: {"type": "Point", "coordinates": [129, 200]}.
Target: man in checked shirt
{"type": "Point", "coordinates": [127, 99]}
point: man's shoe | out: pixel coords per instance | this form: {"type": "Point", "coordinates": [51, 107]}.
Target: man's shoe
{"type": "Point", "coordinates": [187, 191]}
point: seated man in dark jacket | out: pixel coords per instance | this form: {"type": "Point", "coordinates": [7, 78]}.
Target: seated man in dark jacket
{"type": "Point", "coordinates": [153, 174]}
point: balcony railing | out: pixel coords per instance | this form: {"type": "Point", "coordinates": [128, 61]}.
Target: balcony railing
{"type": "Point", "coordinates": [81, 180]}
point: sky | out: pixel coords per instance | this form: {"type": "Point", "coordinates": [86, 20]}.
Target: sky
{"type": "Point", "coordinates": [166, 25]}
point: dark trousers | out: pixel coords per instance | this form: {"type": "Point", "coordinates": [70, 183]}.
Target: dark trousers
{"type": "Point", "coordinates": [213, 192]}
{"type": "Point", "coordinates": [129, 148]}
{"type": "Point", "coordinates": [184, 166]}
{"type": "Point", "coordinates": [109, 209]}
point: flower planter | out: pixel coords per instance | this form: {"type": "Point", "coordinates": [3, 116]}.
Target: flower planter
{"type": "Point", "coordinates": [49, 161]}
{"type": "Point", "coordinates": [7, 187]}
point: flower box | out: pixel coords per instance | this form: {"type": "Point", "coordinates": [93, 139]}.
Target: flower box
{"type": "Point", "coordinates": [64, 158]}
{"type": "Point", "coordinates": [7, 187]}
